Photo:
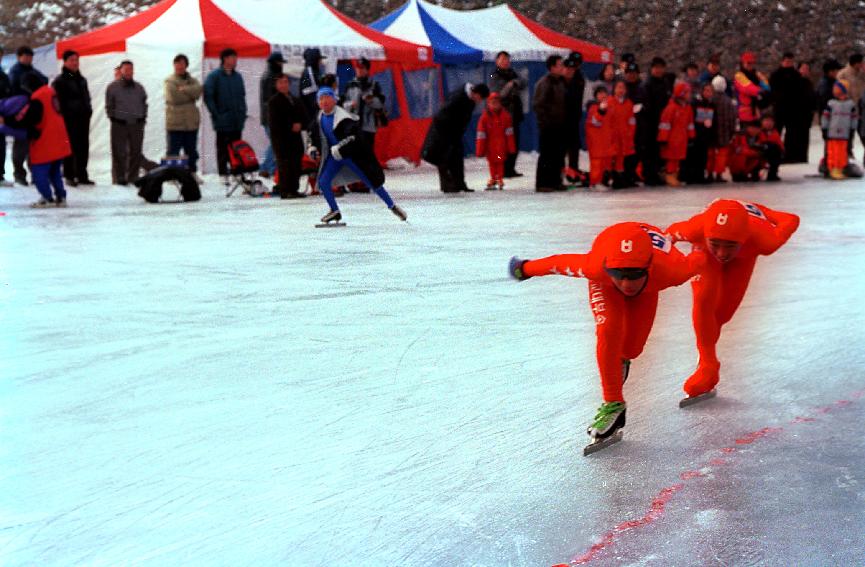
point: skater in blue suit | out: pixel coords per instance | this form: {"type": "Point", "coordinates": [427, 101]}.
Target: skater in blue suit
{"type": "Point", "coordinates": [346, 158]}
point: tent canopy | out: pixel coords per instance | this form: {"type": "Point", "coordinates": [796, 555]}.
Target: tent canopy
{"type": "Point", "coordinates": [252, 27]}
{"type": "Point", "coordinates": [474, 36]}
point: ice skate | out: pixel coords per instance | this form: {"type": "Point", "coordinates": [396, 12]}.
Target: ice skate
{"type": "Point", "coordinates": [397, 210]}
{"type": "Point", "coordinates": [42, 204]}
{"type": "Point", "coordinates": [60, 203]}
{"type": "Point", "coordinates": [605, 430]}
{"type": "Point", "coordinates": [691, 400]}
{"type": "Point", "coordinates": [331, 219]}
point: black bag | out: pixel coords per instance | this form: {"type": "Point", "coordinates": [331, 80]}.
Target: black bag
{"type": "Point", "coordinates": [150, 186]}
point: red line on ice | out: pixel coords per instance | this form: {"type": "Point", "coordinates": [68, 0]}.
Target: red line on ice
{"type": "Point", "coordinates": [656, 510]}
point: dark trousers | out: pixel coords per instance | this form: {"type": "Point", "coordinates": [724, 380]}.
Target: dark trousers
{"type": "Point", "coordinates": [20, 151]}
{"type": "Point", "coordinates": [511, 160]}
{"type": "Point", "coordinates": [126, 142]}
{"type": "Point", "coordinates": [186, 140]}
{"type": "Point", "coordinates": [796, 141]}
{"type": "Point", "coordinates": [650, 156]}
{"type": "Point", "coordinates": [774, 156]}
{"type": "Point", "coordinates": [552, 147]}
{"type": "Point", "coordinates": [2, 156]}
{"type": "Point", "coordinates": [75, 166]}
{"type": "Point", "coordinates": [574, 146]}
{"type": "Point", "coordinates": [222, 141]}
{"type": "Point", "coordinates": [288, 163]}
{"type": "Point", "coordinates": [452, 168]}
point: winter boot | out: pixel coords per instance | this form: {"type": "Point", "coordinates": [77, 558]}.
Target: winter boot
{"type": "Point", "coordinates": [609, 419]}
{"type": "Point", "coordinates": [42, 204]}
{"type": "Point", "coordinates": [703, 380]}
{"type": "Point", "coordinates": [836, 173]}
{"type": "Point", "coordinates": [673, 180]}
{"type": "Point", "coordinates": [491, 185]}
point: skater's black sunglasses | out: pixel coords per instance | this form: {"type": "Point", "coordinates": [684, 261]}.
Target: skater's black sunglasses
{"type": "Point", "coordinates": [627, 273]}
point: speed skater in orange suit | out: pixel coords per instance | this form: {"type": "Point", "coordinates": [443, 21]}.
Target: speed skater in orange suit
{"type": "Point", "coordinates": [731, 234]}
{"type": "Point", "coordinates": [628, 265]}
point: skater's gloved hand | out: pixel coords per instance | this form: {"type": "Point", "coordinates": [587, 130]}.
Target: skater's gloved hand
{"type": "Point", "coordinates": [515, 269]}
{"type": "Point", "coordinates": [334, 151]}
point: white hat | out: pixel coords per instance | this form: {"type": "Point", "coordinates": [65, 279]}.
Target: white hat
{"type": "Point", "coordinates": [719, 84]}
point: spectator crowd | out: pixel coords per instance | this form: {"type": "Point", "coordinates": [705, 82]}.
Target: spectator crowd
{"type": "Point", "coordinates": [701, 125]}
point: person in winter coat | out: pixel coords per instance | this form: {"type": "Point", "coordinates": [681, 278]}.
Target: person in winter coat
{"type": "Point", "coordinates": [712, 70]}
{"type": "Point", "coordinates": [510, 86]}
{"type": "Point", "coordinates": [550, 105]}
{"type": "Point", "coordinates": [675, 130]}
{"type": "Point", "coordinates": [182, 118]}
{"type": "Point", "coordinates": [773, 153]}
{"type": "Point", "coordinates": [753, 149]}
{"type": "Point", "coordinates": [725, 130]}
{"type": "Point", "coordinates": [225, 98]}
{"type": "Point", "coordinates": [495, 140]}
{"type": "Point", "coordinates": [126, 107]}
{"type": "Point", "coordinates": [730, 235]}
{"type": "Point", "coordinates": [691, 77]}
{"type": "Point", "coordinates": [266, 90]}
{"type": "Point", "coordinates": [784, 82]}
{"type": "Point", "coordinates": [636, 94]}
{"type": "Point", "coordinates": [620, 114]}
{"type": "Point", "coordinates": [46, 136]}
{"type": "Point", "coordinates": [310, 80]}
{"type": "Point", "coordinates": [752, 88]}
{"type": "Point", "coordinates": [575, 85]}
{"type": "Point", "coordinates": [802, 104]}
{"type": "Point", "coordinates": [443, 145]}
{"type": "Point", "coordinates": [600, 140]}
{"type": "Point", "coordinates": [5, 91]}
{"type": "Point", "coordinates": [346, 157]}
{"type": "Point", "coordinates": [605, 79]}
{"type": "Point", "coordinates": [364, 97]}
{"type": "Point", "coordinates": [286, 120]}
{"type": "Point", "coordinates": [839, 121]}
{"type": "Point", "coordinates": [658, 88]}
{"type": "Point", "coordinates": [854, 74]}
{"type": "Point", "coordinates": [74, 98]}
{"type": "Point", "coordinates": [17, 73]}
{"type": "Point", "coordinates": [831, 68]}
{"type": "Point", "coordinates": [705, 133]}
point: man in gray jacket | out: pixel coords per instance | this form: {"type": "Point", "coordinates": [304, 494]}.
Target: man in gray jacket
{"type": "Point", "coordinates": [126, 107]}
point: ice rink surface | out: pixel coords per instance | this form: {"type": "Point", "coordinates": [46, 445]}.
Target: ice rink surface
{"type": "Point", "coordinates": [220, 383]}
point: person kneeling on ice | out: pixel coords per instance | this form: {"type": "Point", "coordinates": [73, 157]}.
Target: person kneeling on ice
{"type": "Point", "coordinates": [628, 265]}
{"type": "Point", "coordinates": [734, 234]}
{"type": "Point", "coordinates": [346, 158]}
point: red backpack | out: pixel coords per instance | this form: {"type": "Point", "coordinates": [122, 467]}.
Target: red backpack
{"type": "Point", "coordinates": [242, 157]}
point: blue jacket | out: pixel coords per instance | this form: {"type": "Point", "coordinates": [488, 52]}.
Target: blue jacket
{"type": "Point", "coordinates": [225, 97]}
{"type": "Point", "coordinates": [17, 72]}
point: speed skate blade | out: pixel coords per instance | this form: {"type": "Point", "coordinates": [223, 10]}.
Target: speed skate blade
{"type": "Point", "coordinates": [330, 225]}
{"type": "Point", "coordinates": [595, 446]}
{"type": "Point", "coordinates": [697, 399]}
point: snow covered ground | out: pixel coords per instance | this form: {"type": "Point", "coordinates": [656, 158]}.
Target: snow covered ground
{"type": "Point", "coordinates": [220, 383]}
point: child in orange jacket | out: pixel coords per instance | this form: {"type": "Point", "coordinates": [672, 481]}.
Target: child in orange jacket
{"type": "Point", "coordinates": [599, 139]}
{"type": "Point", "coordinates": [495, 140]}
{"type": "Point", "coordinates": [731, 235]}
{"type": "Point", "coordinates": [620, 113]}
{"type": "Point", "coordinates": [674, 131]}
{"type": "Point", "coordinates": [628, 265]}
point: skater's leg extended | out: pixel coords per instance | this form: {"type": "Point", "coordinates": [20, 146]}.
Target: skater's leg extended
{"type": "Point", "coordinates": [380, 191]}
{"type": "Point", "coordinates": [608, 307]}
{"type": "Point", "coordinates": [640, 316]}
{"type": "Point", "coordinates": [737, 276]}
{"type": "Point", "coordinates": [707, 292]}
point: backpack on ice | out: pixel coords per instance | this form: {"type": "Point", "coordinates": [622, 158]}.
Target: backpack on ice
{"type": "Point", "coordinates": [242, 158]}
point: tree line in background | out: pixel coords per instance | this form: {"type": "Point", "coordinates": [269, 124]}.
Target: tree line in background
{"type": "Point", "coordinates": [678, 30]}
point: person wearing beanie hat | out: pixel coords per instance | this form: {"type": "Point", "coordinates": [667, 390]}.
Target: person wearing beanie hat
{"type": "Point", "coordinates": [725, 131]}
{"type": "Point", "coordinates": [495, 140]}
{"type": "Point", "coordinates": [752, 88]}
{"type": "Point", "coordinates": [839, 122]}
{"type": "Point", "coordinates": [732, 235]}
{"type": "Point", "coordinates": [628, 265]}
{"type": "Point", "coordinates": [675, 130]}
{"type": "Point", "coordinates": [345, 156]}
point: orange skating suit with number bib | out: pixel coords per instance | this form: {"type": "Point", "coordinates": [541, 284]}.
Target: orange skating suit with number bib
{"type": "Point", "coordinates": [719, 287]}
{"type": "Point", "coordinates": [622, 323]}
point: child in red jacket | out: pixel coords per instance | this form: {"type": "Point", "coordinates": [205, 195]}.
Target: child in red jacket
{"type": "Point", "coordinates": [495, 140]}
{"type": "Point", "coordinates": [674, 131]}
{"type": "Point", "coordinates": [620, 113]}
{"type": "Point", "coordinates": [599, 139]}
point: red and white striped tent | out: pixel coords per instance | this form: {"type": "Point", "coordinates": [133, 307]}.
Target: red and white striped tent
{"type": "Point", "coordinates": [200, 29]}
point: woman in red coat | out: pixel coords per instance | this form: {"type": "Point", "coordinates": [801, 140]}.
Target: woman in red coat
{"type": "Point", "coordinates": [49, 142]}
{"type": "Point", "coordinates": [599, 139]}
{"type": "Point", "coordinates": [674, 131]}
{"type": "Point", "coordinates": [495, 140]}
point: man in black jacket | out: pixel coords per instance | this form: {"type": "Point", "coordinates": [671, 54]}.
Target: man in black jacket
{"type": "Point", "coordinates": [310, 80]}
{"type": "Point", "coordinates": [657, 90]}
{"type": "Point", "coordinates": [549, 104]}
{"type": "Point", "coordinates": [24, 66]}
{"type": "Point", "coordinates": [443, 146]}
{"type": "Point", "coordinates": [266, 90]}
{"type": "Point", "coordinates": [575, 85]}
{"type": "Point", "coordinates": [5, 90]}
{"type": "Point", "coordinates": [286, 118]}
{"type": "Point", "coordinates": [74, 98]}
{"type": "Point", "coordinates": [505, 81]}
{"type": "Point", "coordinates": [785, 82]}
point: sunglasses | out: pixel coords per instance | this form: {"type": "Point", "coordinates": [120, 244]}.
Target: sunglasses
{"type": "Point", "coordinates": [627, 273]}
